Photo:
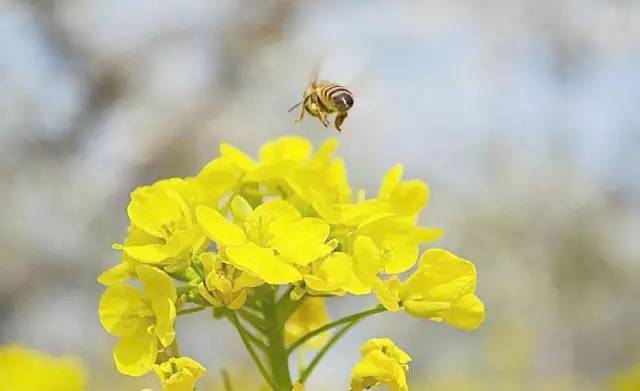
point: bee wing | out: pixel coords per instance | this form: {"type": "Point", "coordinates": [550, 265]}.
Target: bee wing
{"type": "Point", "coordinates": [315, 69]}
{"type": "Point", "coordinates": [361, 80]}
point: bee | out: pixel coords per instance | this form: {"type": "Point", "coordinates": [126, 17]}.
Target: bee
{"type": "Point", "coordinates": [322, 98]}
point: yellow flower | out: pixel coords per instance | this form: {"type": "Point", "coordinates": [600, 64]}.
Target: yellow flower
{"type": "Point", "coordinates": [398, 241]}
{"type": "Point", "coordinates": [320, 184]}
{"type": "Point", "coordinates": [179, 374]}
{"type": "Point", "coordinates": [335, 275]}
{"type": "Point", "coordinates": [626, 380]}
{"type": "Point", "coordinates": [286, 167]}
{"type": "Point", "coordinates": [406, 198]}
{"type": "Point", "coordinates": [277, 159]}
{"type": "Point", "coordinates": [140, 319]}
{"type": "Point", "coordinates": [28, 370]}
{"type": "Point", "coordinates": [270, 242]}
{"type": "Point", "coordinates": [310, 315]}
{"type": "Point", "coordinates": [219, 177]}
{"type": "Point", "coordinates": [165, 212]}
{"type": "Point", "coordinates": [389, 221]}
{"type": "Point", "coordinates": [382, 363]}
{"type": "Point", "coordinates": [443, 288]}
{"type": "Point", "coordinates": [163, 230]}
{"type": "Point", "coordinates": [224, 286]}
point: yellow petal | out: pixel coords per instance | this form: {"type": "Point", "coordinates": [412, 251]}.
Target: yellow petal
{"type": "Point", "coordinates": [409, 198]}
{"type": "Point", "coordinates": [262, 263]}
{"type": "Point", "coordinates": [399, 240]}
{"type": "Point", "coordinates": [204, 292]}
{"type": "Point", "coordinates": [426, 235]}
{"type": "Point", "coordinates": [208, 262]}
{"type": "Point", "coordinates": [238, 301]}
{"type": "Point", "coordinates": [302, 241]}
{"type": "Point", "coordinates": [401, 258]}
{"type": "Point", "coordinates": [367, 256]}
{"type": "Point", "coordinates": [239, 158]}
{"type": "Point", "coordinates": [331, 273]}
{"type": "Point", "coordinates": [365, 211]}
{"type": "Point", "coordinates": [354, 285]}
{"type": "Point", "coordinates": [240, 208]}
{"type": "Point", "coordinates": [151, 208]}
{"type": "Point", "coordinates": [310, 315]}
{"type": "Point", "coordinates": [270, 172]}
{"type": "Point", "coordinates": [325, 151]}
{"type": "Point", "coordinates": [384, 295]}
{"type": "Point", "coordinates": [165, 312]}
{"type": "Point", "coordinates": [307, 229]}
{"type": "Point", "coordinates": [219, 229]}
{"type": "Point", "coordinates": [295, 149]}
{"type": "Point", "coordinates": [317, 284]}
{"type": "Point", "coordinates": [442, 276]}
{"type": "Point", "coordinates": [388, 347]}
{"type": "Point", "coordinates": [217, 178]}
{"type": "Point", "coordinates": [246, 280]}
{"type": "Point", "coordinates": [375, 368]}
{"type": "Point", "coordinates": [150, 253]}
{"type": "Point", "coordinates": [184, 239]}
{"type": "Point", "coordinates": [443, 289]}
{"type": "Point", "coordinates": [135, 356]}
{"type": "Point", "coordinates": [425, 308]}
{"type": "Point", "coordinates": [467, 313]}
{"type": "Point", "coordinates": [276, 209]}
{"type": "Point", "coordinates": [179, 374]}
{"type": "Point", "coordinates": [116, 274]}
{"type": "Point", "coordinates": [123, 312]}
{"type": "Point", "coordinates": [391, 179]}
{"type": "Point", "coordinates": [156, 283]}
{"type": "Point", "coordinates": [337, 184]}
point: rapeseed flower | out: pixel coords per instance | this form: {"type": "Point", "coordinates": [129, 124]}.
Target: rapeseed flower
{"type": "Point", "coordinates": [309, 316]}
{"type": "Point", "coordinates": [443, 289]}
{"type": "Point", "coordinates": [142, 319]}
{"type": "Point", "coordinates": [179, 374]}
{"type": "Point", "coordinates": [224, 285]}
{"type": "Point", "coordinates": [271, 242]}
{"type": "Point", "coordinates": [382, 363]}
{"type": "Point", "coordinates": [263, 241]}
{"type": "Point", "coordinates": [24, 369]}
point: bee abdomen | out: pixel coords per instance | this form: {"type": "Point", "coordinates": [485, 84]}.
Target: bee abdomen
{"type": "Point", "coordinates": [328, 92]}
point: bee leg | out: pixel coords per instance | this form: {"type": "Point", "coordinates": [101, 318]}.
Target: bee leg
{"type": "Point", "coordinates": [302, 110]}
{"type": "Point", "coordinates": [339, 120]}
{"type": "Point", "coordinates": [323, 119]}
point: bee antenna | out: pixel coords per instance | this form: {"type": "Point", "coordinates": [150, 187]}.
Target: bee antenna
{"type": "Point", "coordinates": [294, 106]}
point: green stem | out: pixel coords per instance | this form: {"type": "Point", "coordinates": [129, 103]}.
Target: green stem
{"type": "Point", "coordinates": [183, 289]}
{"type": "Point", "coordinates": [191, 310]}
{"type": "Point", "coordinates": [286, 294]}
{"type": "Point", "coordinates": [245, 340]}
{"type": "Point", "coordinates": [276, 314]}
{"type": "Point", "coordinates": [307, 372]}
{"type": "Point", "coordinates": [252, 319]}
{"type": "Point", "coordinates": [257, 341]}
{"type": "Point", "coordinates": [329, 326]}
{"type": "Point", "coordinates": [226, 380]}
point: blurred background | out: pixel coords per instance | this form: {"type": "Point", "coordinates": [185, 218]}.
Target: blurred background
{"type": "Point", "coordinates": [523, 116]}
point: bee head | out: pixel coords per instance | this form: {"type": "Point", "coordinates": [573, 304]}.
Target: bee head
{"type": "Point", "coordinates": [343, 101]}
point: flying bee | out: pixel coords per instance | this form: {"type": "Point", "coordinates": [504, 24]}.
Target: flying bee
{"type": "Point", "coordinates": [322, 98]}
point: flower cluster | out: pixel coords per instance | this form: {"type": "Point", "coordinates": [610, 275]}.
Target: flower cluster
{"type": "Point", "coordinates": [231, 236]}
{"type": "Point", "coordinates": [24, 369]}
{"type": "Point", "coordinates": [382, 363]}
